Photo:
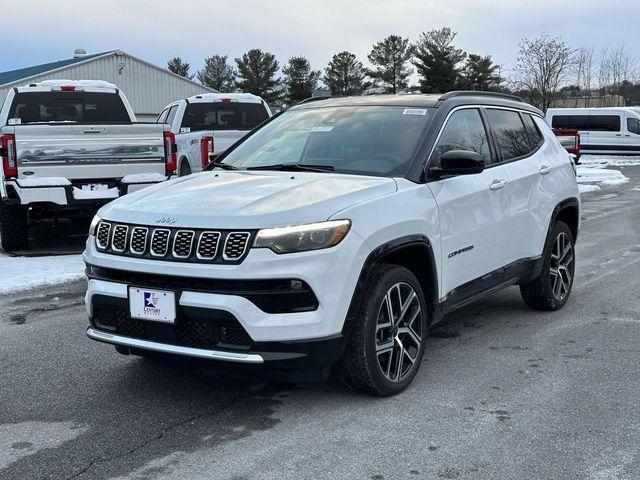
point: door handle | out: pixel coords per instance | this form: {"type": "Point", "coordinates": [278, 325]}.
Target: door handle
{"type": "Point", "coordinates": [91, 131]}
{"type": "Point", "coordinates": [497, 184]}
{"type": "Point", "coordinates": [618, 134]}
{"type": "Point", "coordinates": [544, 169]}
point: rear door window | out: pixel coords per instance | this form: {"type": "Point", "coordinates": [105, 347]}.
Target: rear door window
{"type": "Point", "coordinates": [78, 106]}
{"type": "Point", "coordinates": [633, 125]}
{"type": "Point", "coordinates": [604, 123]}
{"type": "Point", "coordinates": [511, 137]}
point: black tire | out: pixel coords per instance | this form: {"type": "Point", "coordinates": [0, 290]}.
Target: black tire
{"type": "Point", "coordinates": [551, 289]}
{"type": "Point", "coordinates": [185, 168]}
{"type": "Point", "coordinates": [13, 227]}
{"type": "Point", "coordinates": [361, 368]}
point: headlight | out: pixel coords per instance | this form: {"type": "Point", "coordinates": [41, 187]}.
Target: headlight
{"type": "Point", "coordinates": [301, 238]}
{"type": "Point", "coordinates": [94, 224]}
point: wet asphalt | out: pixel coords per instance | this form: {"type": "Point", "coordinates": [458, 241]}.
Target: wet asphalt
{"type": "Point", "coordinates": [503, 392]}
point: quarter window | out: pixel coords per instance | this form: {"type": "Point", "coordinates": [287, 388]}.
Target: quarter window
{"type": "Point", "coordinates": [535, 137]}
{"type": "Point", "coordinates": [464, 131]}
{"type": "Point", "coordinates": [511, 136]}
{"type": "Point", "coordinates": [633, 125]}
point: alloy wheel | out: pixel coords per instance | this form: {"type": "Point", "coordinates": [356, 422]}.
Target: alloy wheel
{"type": "Point", "coordinates": [399, 331]}
{"type": "Point", "coordinates": [560, 267]}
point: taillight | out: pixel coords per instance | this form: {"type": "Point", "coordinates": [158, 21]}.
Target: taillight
{"type": "Point", "coordinates": [206, 150]}
{"type": "Point", "coordinates": [9, 162]}
{"type": "Point", "coordinates": [170, 160]}
{"type": "Point", "coordinates": [570, 140]}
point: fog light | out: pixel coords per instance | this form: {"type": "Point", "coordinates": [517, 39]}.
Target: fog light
{"type": "Point", "coordinates": [296, 285]}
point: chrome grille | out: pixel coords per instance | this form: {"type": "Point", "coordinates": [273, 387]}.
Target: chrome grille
{"type": "Point", "coordinates": [182, 243]}
{"type": "Point", "coordinates": [138, 243]}
{"type": "Point", "coordinates": [208, 245]}
{"type": "Point", "coordinates": [102, 237]}
{"type": "Point", "coordinates": [236, 245]}
{"type": "Point", "coordinates": [160, 242]}
{"type": "Point", "coordinates": [119, 240]}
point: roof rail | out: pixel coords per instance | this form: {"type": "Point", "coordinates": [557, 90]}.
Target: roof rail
{"type": "Point", "coordinates": [475, 93]}
{"type": "Point", "coordinates": [310, 99]}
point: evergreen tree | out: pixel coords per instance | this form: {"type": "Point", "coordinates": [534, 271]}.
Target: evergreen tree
{"type": "Point", "coordinates": [437, 61]}
{"type": "Point", "coordinates": [345, 75]}
{"type": "Point", "coordinates": [217, 74]}
{"type": "Point", "coordinates": [389, 57]}
{"type": "Point", "coordinates": [480, 73]}
{"type": "Point", "coordinates": [257, 74]}
{"type": "Point", "coordinates": [299, 79]}
{"type": "Point", "coordinates": [177, 66]}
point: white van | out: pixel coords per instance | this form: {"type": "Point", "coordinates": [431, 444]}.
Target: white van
{"type": "Point", "coordinates": [206, 125]}
{"type": "Point", "coordinates": [602, 130]}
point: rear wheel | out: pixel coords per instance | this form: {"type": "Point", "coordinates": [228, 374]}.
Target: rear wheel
{"type": "Point", "coordinates": [185, 168]}
{"type": "Point", "coordinates": [13, 227]}
{"type": "Point", "coordinates": [386, 344]}
{"type": "Point", "coordinates": [551, 289]}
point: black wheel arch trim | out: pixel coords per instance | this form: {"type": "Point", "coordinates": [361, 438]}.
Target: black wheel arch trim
{"type": "Point", "coordinates": [568, 202]}
{"type": "Point", "coordinates": [378, 254]}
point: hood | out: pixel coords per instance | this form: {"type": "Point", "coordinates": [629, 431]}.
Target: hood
{"type": "Point", "coordinates": [247, 199]}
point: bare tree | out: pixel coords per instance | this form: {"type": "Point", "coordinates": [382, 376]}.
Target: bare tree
{"type": "Point", "coordinates": [543, 65]}
{"type": "Point", "coordinates": [584, 66]}
{"type": "Point", "coordinates": [621, 65]}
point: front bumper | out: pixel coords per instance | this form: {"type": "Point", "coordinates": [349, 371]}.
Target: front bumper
{"type": "Point", "coordinates": [298, 337]}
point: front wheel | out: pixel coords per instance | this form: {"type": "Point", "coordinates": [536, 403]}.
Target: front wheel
{"type": "Point", "coordinates": [386, 344]}
{"type": "Point", "coordinates": [551, 289]}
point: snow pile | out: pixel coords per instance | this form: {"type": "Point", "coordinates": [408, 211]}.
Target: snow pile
{"type": "Point", "coordinates": [609, 161]}
{"type": "Point", "coordinates": [144, 178]}
{"type": "Point", "coordinates": [23, 273]}
{"type": "Point", "coordinates": [587, 188]}
{"type": "Point", "coordinates": [601, 175]}
{"type": "Point", "coordinates": [82, 194]}
{"type": "Point", "coordinates": [43, 182]}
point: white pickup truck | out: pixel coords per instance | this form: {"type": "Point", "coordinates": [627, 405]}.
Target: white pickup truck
{"type": "Point", "coordinates": [69, 147]}
{"type": "Point", "coordinates": [206, 125]}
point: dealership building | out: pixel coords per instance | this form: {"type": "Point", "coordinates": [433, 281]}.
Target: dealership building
{"type": "Point", "coordinates": [148, 87]}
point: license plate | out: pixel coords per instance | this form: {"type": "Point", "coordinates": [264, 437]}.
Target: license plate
{"type": "Point", "coordinates": [156, 305]}
{"type": "Point", "coordinates": [93, 187]}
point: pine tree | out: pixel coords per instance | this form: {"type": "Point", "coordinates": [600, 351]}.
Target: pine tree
{"type": "Point", "coordinates": [345, 75]}
{"type": "Point", "coordinates": [217, 74]}
{"type": "Point", "coordinates": [437, 61]}
{"type": "Point", "coordinates": [299, 79]}
{"type": "Point", "coordinates": [480, 73]}
{"type": "Point", "coordinates": [257, 74]}
{"type": "Point", "coordinates": [389, 57]}
{"type": "Point", "coordinates": [177, 66]}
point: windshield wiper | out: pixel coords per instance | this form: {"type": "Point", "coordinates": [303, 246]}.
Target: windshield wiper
{"type": "Point", "coordinates": [295, 167]}
{"type": "Point", "coordinates": [224, 166]}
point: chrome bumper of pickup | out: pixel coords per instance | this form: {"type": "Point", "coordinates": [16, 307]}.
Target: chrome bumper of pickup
{"type": "Point", "coordinates": [173, 349]}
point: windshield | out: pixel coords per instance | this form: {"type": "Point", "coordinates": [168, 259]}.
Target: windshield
{"type": "Point", "coordinates": [360, 140]}
{"type": "Point", "coordinates": [80, 106]}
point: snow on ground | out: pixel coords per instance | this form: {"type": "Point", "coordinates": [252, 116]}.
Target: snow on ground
{"type": "Point", "coordinates": [584, 188]}
{"type": "Point", "coordinates": [609, 161]}
{"type": "Point", "coordinates": [601, 175]}
{"type": "Point", "coordinates": [23, 273]}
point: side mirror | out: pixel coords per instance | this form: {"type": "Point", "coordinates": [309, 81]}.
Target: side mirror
{"type": "Point", "coordinates": [458, 162]}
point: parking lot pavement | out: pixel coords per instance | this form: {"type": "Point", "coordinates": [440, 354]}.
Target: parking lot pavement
{"type": "Point", "coordinates": [503, 393]}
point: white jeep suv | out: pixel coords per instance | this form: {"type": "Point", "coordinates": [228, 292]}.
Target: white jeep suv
{"type": "Point", "coordinates": [336, 235]}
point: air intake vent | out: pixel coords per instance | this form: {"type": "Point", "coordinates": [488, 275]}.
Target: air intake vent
{"type": "Point", "coordinates": [160, 242]}
{"type": "Point", "coordinates": [102, 237]}
{"type": "Point", "coordinates": [138, 240]}
{"type": "Point", "coordinates": [182, 243]}
{"type": "Point", "coordinates": [236, 245]}
{"type": "Point", "coordinates": [208, 245]}
{"type": "Point", "coordinates": [119, 241]}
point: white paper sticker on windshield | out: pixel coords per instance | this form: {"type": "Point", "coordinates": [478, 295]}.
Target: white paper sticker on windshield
{"type": "Point", "coordinates": [321, 129]}
{"type": "Point", "coordinates": [415, 111]}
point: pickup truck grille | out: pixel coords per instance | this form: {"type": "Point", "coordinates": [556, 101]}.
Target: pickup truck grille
{"type": "Point", "coordinates": [173, 244]}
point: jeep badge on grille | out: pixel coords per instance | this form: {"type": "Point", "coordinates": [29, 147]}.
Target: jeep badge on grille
{"type": "Point", "coordinates": [168, 220]}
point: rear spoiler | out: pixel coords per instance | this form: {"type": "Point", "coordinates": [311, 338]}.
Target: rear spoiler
{"type": "Point", "coordinates": [569, 139]}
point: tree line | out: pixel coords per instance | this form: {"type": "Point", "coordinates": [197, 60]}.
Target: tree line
{"type": "Point", "coordinates": [546, 68]}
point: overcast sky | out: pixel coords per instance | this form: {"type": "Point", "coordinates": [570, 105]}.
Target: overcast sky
{"type": "Point", "coordinates": [39, 31]}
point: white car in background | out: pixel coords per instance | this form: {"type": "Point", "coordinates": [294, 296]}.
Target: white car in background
{"type": "Point", "coordinates": [206, 125]}
{"type": "Point", "coordinates": [602, 130]}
